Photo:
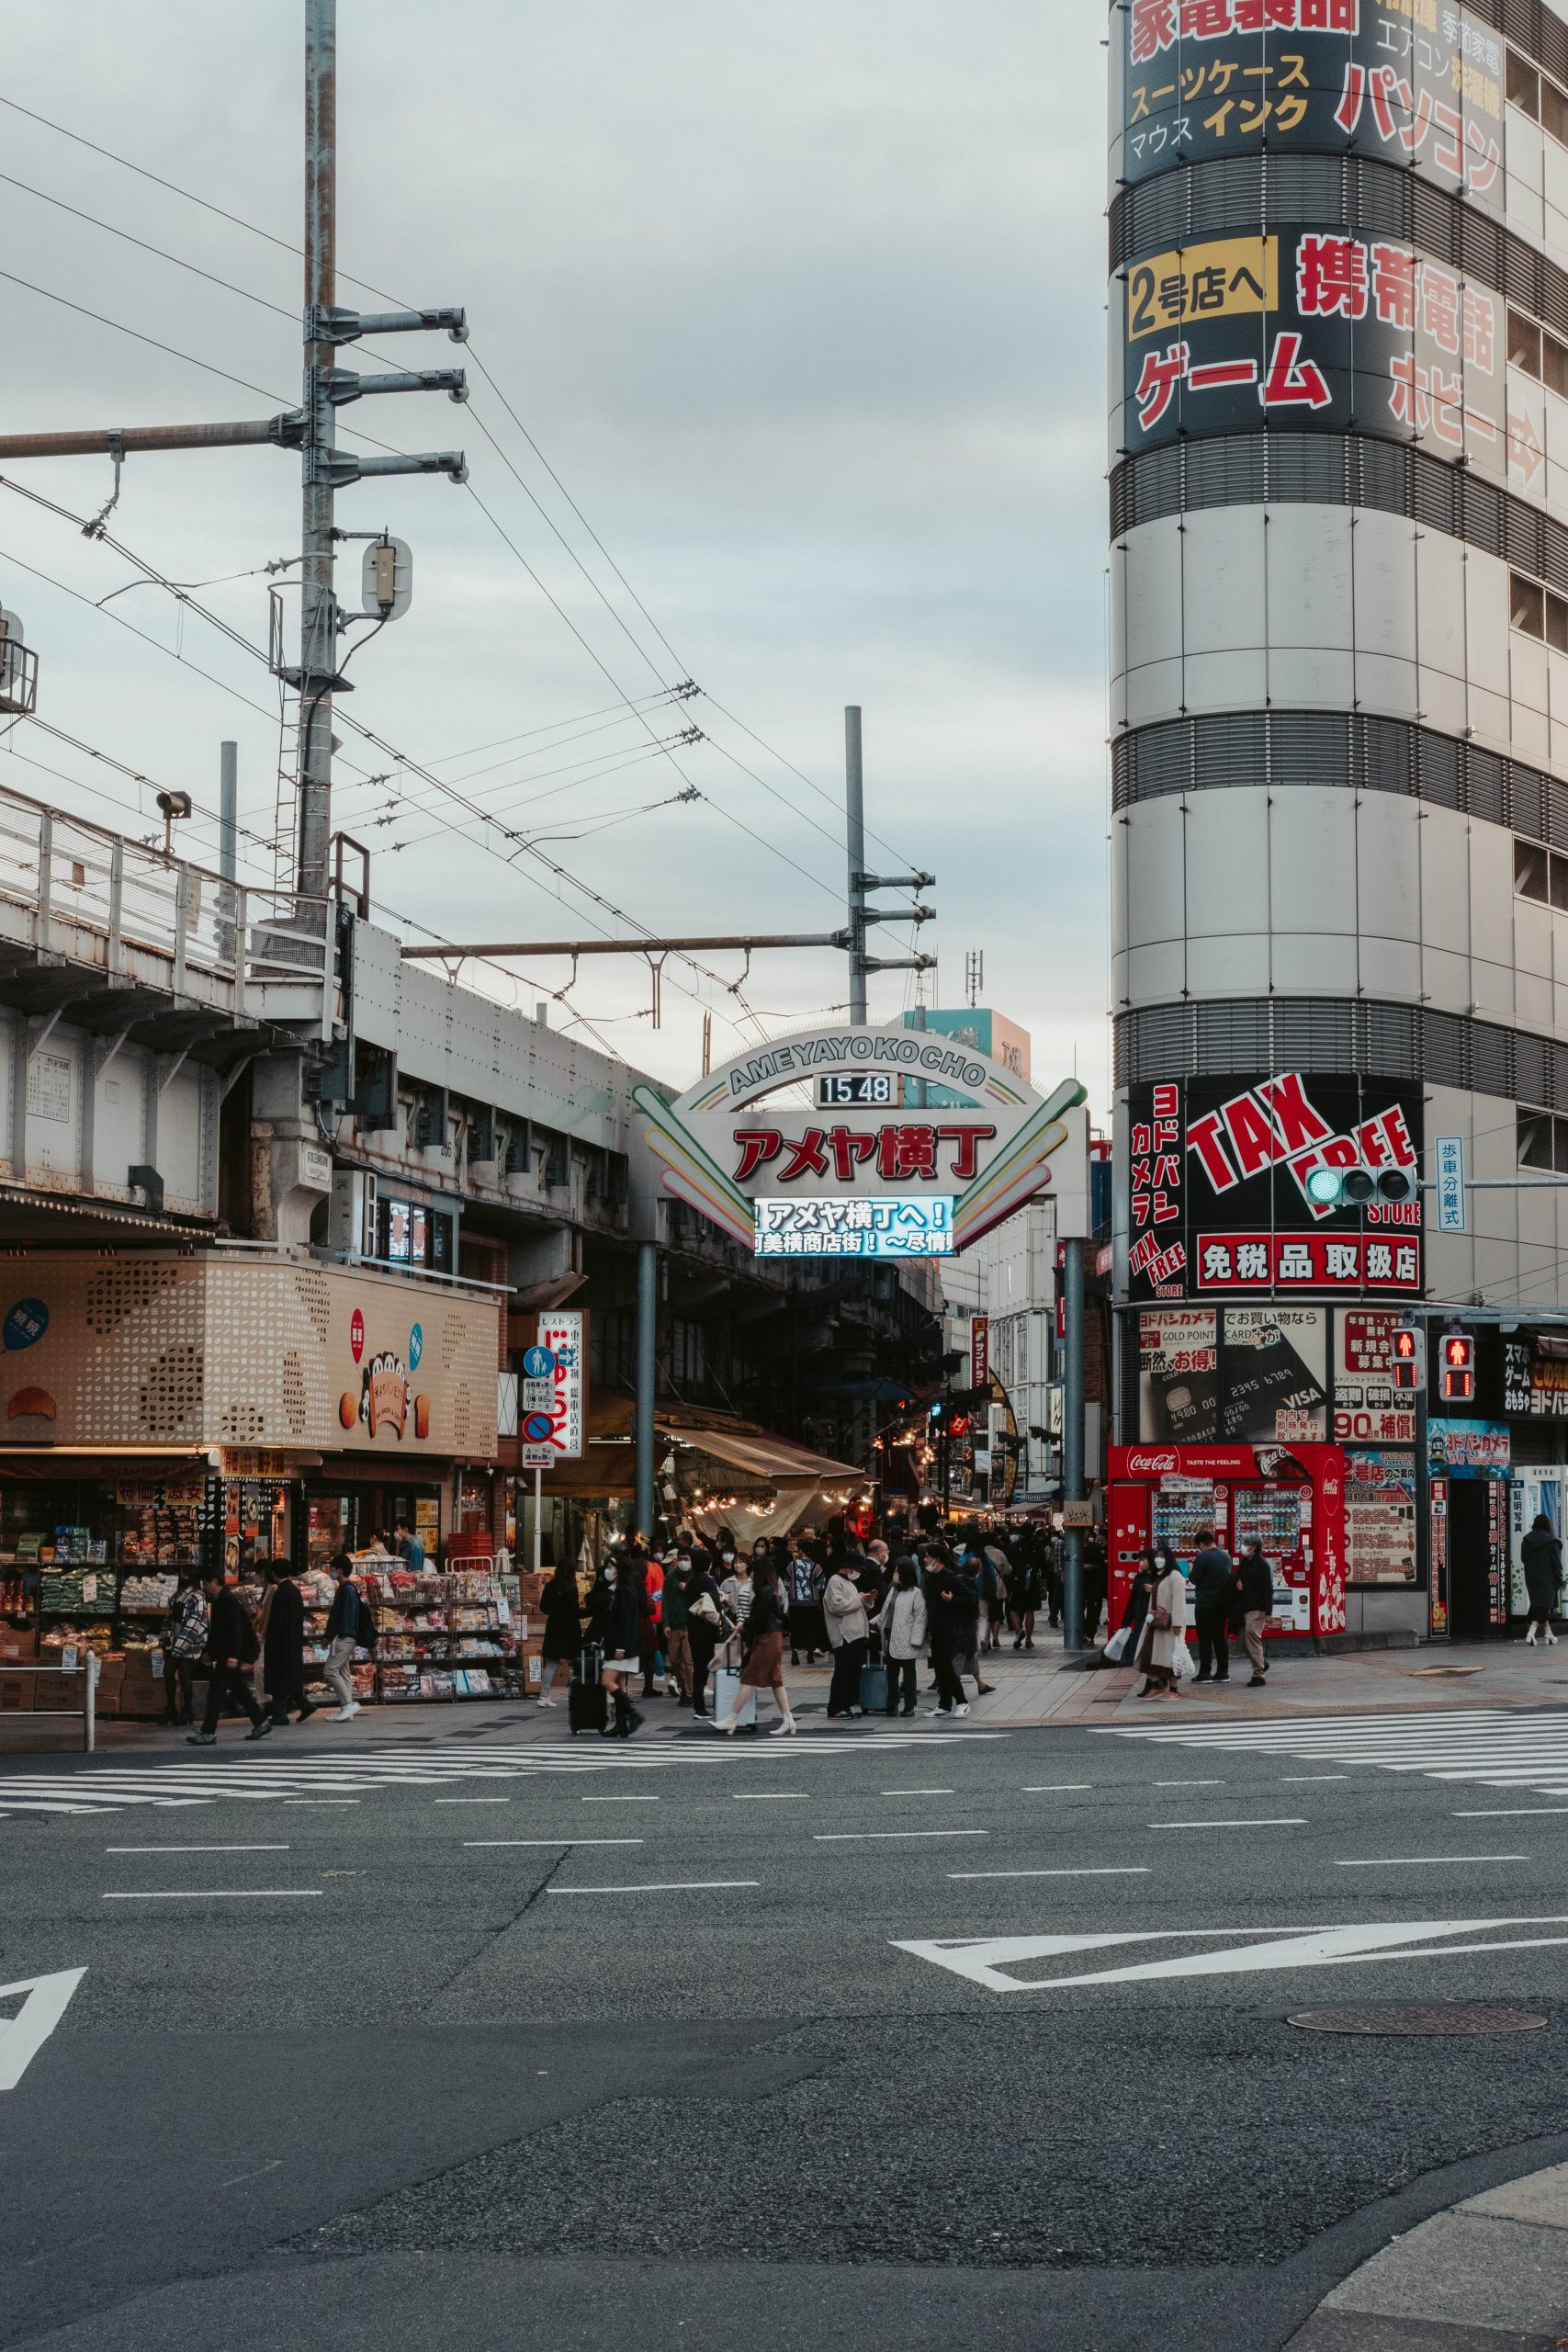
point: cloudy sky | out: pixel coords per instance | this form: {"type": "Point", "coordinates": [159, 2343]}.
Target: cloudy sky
{"type": "Point", "coordinates": [804, 309]}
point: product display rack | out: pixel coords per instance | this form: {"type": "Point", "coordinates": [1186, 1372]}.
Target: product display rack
{"type": "Point", "coordinates": [452, 1636]}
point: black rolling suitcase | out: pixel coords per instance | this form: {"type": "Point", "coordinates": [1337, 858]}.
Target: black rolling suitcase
{"type": "Point", "coordinates": [587, 1700]}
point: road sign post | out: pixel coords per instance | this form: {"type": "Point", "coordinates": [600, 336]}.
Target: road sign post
{"type": "Point", "coordinates": [1449, 1155]}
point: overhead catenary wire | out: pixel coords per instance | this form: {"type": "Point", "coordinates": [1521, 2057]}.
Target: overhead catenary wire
{"type": "Point", "coordinates": [287, 245]}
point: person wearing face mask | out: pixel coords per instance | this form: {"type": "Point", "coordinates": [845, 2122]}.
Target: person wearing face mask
{"type": "Point", "coordinates": [707, 1625]}
{"type": "Point", "coordinates": [737, 1589]}
{"type": "Point", "coordinates": [803, 1581]}
{"type": "Point", "coordinates": [677, 1637]}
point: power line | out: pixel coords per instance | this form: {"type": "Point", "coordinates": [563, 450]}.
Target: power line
{"type": "Point", "coordinates": [285, 246]}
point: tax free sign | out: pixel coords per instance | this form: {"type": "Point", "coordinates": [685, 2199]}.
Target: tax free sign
{"type": "Point", "coordinates": [749, 1148]}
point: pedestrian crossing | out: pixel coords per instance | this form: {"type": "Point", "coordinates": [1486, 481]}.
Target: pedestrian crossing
{"type": "Point", "coordinates": [253, 1776]}
{"type": "Point", "coordinates": [1491, 1747]}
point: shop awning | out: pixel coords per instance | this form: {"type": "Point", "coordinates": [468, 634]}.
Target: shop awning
{"type": "Point", "coordinates": [760, 1456]}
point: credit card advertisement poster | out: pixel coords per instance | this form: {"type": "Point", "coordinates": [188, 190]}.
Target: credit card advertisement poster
{"type": "Point", "coordinates": [1249, 1374]}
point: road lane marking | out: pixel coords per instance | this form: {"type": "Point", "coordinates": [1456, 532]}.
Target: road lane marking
{"type": "Point", "coordinates": [1056, 1788]}
{"type": "Point", "coordinates": [985, 1960]}
{"type": "Point", "coordinates": [1409, 1861]}
{"type": "Point", "coordinates": [659, 1886]}
{"type": "Point", "coordinates": [843, 1836]}
{"type": "Point", "coordinates": [916, 1792]}
{"type": "Point", "coordinates": [1511, 1812]}
{"type": "Point", "coordinates": [1102, 1870]}
{"type": "Point", "coordinates": [208, 1893]}
{"type": "Point", "coordinates": [471, 1800]}
{"type": "Point", "coordinates": [1309, 1780]}
{"type": "Point", "coordinates": [619, 1800]}
{"type": "Point", "coordinates": [196, 1849]}
{"type": "Point", "coordinates": [1187, 1784]}
{"type": "Point", "coordinates": [1287, 1821]}
{"type": "Point", "coordinates": [475, 1842]}
{"type": "Point", "coordinates": [23, 2036]}
{"type": "Point", "coordinates": [771, 1796]}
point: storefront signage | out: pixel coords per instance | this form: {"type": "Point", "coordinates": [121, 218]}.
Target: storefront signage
{"type": "Point", "coordinates": [1366, 1407]}
{"type": "Point", "coordinates": [560, 1338]}
{"type": "Point", "coordinates": [26, 1323]}
{"type": "Point", "coordinates": [1417, 82]}
{"type": "Point", "coordinates": [1379, 1517]}
{"type": "Point", "coordinates": [1244, 1373]}
{"type": "Point", "coordinates": [980, 1351]}
{"type": "Point", "coordinates": [1535, 1378]}
{"type": "Point", "coordinates": [995, 1143]}
{"type": "Point", "coordinates": [1319, 328]}
{"type": "Point", "coordinates": [1468, 1449]}
{"type": "Point", "coordinates": [1217, 1199]}
{"type": "Point", "coordinates": [898, 1225]}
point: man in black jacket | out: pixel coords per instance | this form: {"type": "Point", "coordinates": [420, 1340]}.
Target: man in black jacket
{"type": "Point", "coordinates": [1214, 1592]}
{"type": "Point", "coordinates": [232, 1645]}
{"type": "Point", "coordinates": [952, 1607]}
{"type": "Point", "coordinates": [1255, 1588]}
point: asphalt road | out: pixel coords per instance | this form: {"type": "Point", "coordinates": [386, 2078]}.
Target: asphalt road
{"type": "Point", "coordinates": [632, 2045]}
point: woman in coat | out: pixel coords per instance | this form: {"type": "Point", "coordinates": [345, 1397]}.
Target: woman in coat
{"type": "Point", "coordinates": [563, 1627]}
{"type": "Point", "coordinates": [621, 1633]}
{"type": "Point", "coordinates": [849, 1637]}
{"type": "Point", "coordinates": [902, 1619]}
{"type": "Point", "coordinates": [1542, 1556]}
{"type": "Point", "coordinates": [1165, 1628]}
{"type": "Point", "coordinates": [761, 1642]}
{"type": "Point", "coordinates": [707, 1625]}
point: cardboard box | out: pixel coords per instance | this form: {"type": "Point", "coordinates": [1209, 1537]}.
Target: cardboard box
{"type": "Point", "coordinates": [14, 1645]}
{"type": "Point", "coordinates": [52, 1692]}
{"type": "Point", "coordinates": [16, 1693]}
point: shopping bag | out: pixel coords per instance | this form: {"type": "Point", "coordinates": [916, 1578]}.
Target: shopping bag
{"type": "Point", "coordinates": [1116, 1647]}
{"type": "Point", "coordinates": [726, 1684]}
{"type": "Point", "coordinates": [1181, 1661]}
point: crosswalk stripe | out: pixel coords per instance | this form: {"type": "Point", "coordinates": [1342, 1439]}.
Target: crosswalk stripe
{"type": "Point", "coordinates": [1488, 1747]}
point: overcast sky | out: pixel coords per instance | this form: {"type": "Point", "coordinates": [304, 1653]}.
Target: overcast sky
{"type": "Point", "coordinates": [803, 306]}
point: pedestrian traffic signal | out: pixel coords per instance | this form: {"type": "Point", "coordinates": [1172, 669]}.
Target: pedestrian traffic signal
{"type": "Point", "coordinates": [1354, 1188]}
{"type": "Point", "coordinates": [1458, 1368]}
{"type": "Point", "coordinates": [1407, 1358]}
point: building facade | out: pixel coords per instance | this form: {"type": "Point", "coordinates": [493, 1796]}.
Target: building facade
{"type": "Point", "coordinates": [1338, 593]}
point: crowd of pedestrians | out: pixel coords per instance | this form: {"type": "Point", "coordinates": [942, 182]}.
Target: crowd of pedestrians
{"type": "Point", "coordinates": [669, 1622]}
{"type": "Point", "coordinates": [1224, 1599]}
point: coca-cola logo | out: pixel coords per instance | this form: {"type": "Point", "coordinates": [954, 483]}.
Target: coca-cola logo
{"type": "Point", "coordinates": [1152, 1464]}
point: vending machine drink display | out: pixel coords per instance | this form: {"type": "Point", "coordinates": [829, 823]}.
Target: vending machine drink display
{"type": "Point", "coordinates": [1290, 1500]}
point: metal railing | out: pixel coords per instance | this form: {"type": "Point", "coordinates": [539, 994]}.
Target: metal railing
{"type": "Point", "coordinates": [86, 1713]}
{"type": "Point", "coordinates": [87, 894]}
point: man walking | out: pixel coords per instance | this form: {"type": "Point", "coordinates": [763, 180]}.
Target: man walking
{"type": "Point", "coordinates": [283, 1648]}
{"type": "Point", "coordinates": [345, 1635]}
{"type": "Point", "coordinates": [232, 1640]}
{"type": "Point", "coordinates": [1213, 1586]}
{"type": "Point", "coordinates": [1255, 1583]}
{"type": "Point", "coordinates": [952, 1607]}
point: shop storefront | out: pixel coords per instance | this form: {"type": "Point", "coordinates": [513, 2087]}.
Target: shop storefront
{"type": "Point", "coordinates": [167, 1413]}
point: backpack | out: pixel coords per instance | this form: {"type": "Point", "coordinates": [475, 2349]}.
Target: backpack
{"type": "Point", "coordinates": [365, 1627]}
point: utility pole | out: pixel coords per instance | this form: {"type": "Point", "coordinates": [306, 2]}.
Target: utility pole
{"type": "Point", "coordinates": [861, 883]}
{"type": "Point", "coordinates": [312, 429]}
{"type": "Point", "coordinates": [646, 1385]}
{"type": "Point", "coordinates": [1072, 1440]}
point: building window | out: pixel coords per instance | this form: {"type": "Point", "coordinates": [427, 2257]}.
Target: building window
{"type": "Point", "coordinates": [1536, 351]}
{"type": "Point", "coordinates": [1526, 605]}
{"type": "Point", "coordinates": [1523, 86]}
{"type": "Point", "coordinates": [1541, 874]}
{"type": "Point", "coordinates": [410, 1233]}
{"type": "Point", "coordinates": [1543, 1142]}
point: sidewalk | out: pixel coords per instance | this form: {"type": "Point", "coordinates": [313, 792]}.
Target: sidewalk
{"type": "Point", "coordinates": [1490, 2275]}
{"type": "Point", "coordinates": [1031, 1689]}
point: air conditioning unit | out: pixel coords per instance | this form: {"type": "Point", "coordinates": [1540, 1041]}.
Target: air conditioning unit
{"type": "Point", "coordinates": [351, 1219]}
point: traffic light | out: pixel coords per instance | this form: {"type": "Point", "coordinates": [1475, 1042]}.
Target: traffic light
{"type": "Point", "coordinates": [1354, 1188]}
{"type": "Point", "coordinates": [1407, 1358]}
{"type": "Point", "coordinates": [1458, 1368]}
{"type": "Point", "coordinates": [936, 1412]}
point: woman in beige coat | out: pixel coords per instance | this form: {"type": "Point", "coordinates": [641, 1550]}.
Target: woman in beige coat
{"type": "Point", "coordinates": [1163, 1634]}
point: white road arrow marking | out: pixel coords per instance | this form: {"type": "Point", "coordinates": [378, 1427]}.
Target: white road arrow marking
{"type": "Point", "coordinates": [987, 1960]}
{"type": "Point", "coordinates": [23, 2036]}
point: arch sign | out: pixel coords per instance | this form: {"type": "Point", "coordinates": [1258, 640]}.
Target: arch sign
{"type": "Point", "coordinates": [869, 1143]}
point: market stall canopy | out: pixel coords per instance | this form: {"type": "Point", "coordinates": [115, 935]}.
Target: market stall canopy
{"type": "Point", "coordinates": [757, 1458]}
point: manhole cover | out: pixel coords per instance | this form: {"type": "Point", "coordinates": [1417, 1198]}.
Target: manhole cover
{"type": "Point", "coordinates": [1447, 1669]}
{"type": "Point", "coordinates": [1418, 2018]}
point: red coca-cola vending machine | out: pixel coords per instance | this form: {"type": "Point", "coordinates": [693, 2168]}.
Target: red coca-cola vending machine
{"type": "Point", "coordinates": [1289, 1498]}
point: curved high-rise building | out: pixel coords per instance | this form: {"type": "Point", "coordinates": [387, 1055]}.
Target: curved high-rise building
{"type": "Point", "coordinates": [1338, 320]}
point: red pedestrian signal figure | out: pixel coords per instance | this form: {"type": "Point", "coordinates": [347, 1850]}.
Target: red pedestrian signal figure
{"type": "Point", "coordinates": [1458, 1368]}
{"type": "Point", "coordinates": [1404, 1356]}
